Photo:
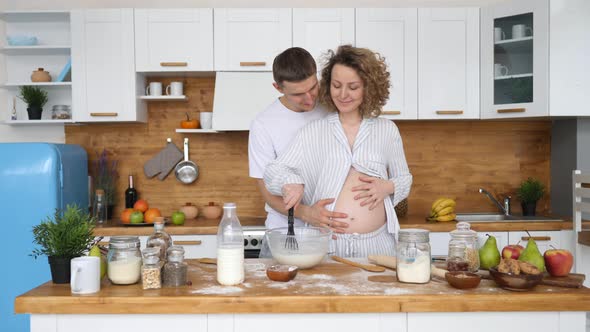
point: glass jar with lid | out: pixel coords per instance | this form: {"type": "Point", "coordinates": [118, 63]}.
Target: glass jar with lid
{"type": "Point", "coordinates": [159, 239]}
{"type": "Point", "coordinates": [124, 260]}
{"type": "Point", "coordinates": [61, 112]}
{"type": "Point", "coordinates": [463, 254]}
{"type": "Point", "coordinates": [151, 277]}
{"type": "Point", "coordinates": [413, 256]}
{"type": "Point", "coordinates": [175, 269]}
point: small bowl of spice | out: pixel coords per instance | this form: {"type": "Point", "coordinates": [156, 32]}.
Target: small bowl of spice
{"type": "Point", "coordinates": [281, 272]}
{"type": "Point", "coordinates": [462, 279]}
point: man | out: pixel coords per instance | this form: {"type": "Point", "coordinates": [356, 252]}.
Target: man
{"type": "Point", "coordinates": [294, 73]}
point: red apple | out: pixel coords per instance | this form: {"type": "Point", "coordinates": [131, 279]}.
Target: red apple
{"type": "Point", "coordinates": [558, 262]}
{"type": "Point", "coordinates": [512, 251]}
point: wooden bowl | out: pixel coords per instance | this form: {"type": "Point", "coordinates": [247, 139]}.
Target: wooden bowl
{"type": "Point", "coordinates": [281, 272]}
{"type": "Point", "coordinates": [462, 279]}
{"type": "Point", "coordinates": [514, 282]}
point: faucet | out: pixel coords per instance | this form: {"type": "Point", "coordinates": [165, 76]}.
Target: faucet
{"type": "Point", "coordinates": [505, 209]}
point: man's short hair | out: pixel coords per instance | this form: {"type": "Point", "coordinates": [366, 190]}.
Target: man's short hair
{"type": "Point", "coordinates": [293, 65]}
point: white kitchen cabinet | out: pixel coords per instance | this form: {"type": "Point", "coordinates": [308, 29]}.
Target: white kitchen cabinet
{"type": "Point", "coordinates": [514, 59]}
{"type": "Point", "coordinates": [320, 29]}
{"type": "Point", "coordinates": [544, 239]}
{"type": "Point", "coordinates": [439, 243]}
{"type": "Point", "coordinates": [448, 63]}
{"type": "Point", "coordinates": [103, 63]}
{"type": "Point", "coordinates": [393, 32]}
{"type": "Point", "coordinates": [502, 239]}
{"type": "Point", "coordinates": [171, 40]}
{"type": "Point", "coordinates": [197, 246]}
{"type": "Point", "coordinates": [248, 39]}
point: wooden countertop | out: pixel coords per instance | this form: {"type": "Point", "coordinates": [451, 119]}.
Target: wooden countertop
{"type": "Point", "coordinates": [328, 288]}
{"type": "Point", "coordinates": [202, 226]}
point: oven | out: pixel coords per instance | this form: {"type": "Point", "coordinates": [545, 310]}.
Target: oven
{"type": "Point", "coordinates": [253, 237]}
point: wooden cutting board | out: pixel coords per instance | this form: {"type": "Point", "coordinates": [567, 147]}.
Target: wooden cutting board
{"type": "Point", "coordinates": [573, 280]}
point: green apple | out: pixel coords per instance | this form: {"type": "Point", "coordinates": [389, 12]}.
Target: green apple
{"type": "Point", "coordinates": [178, 218]}
{"type": "Point", "coordinates": [136, 217]}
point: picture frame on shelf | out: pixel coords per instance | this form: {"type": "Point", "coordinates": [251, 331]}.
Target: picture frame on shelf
{"type": "Point", "coordinates": [65, 72]}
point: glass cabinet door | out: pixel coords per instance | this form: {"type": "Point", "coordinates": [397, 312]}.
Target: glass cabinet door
{"type": "Point", "coordinates": [514, 63]}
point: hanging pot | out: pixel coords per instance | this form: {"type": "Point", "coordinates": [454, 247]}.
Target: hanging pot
{"type": "Point", "coordinates": [60, 269]}
{"type": "Point", "coordinates": [186, 171]}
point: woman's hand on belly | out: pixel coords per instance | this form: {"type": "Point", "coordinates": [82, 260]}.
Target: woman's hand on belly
{"type": "Point", "coordinates": [373, 190]}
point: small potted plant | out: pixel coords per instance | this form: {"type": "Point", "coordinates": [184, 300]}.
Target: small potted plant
{"type": "Point", "coordinates": [105, 177]}
{"type": "Point", "coordinates": [530, 191]}
{"type": "Point", "coordinates": [65, 236]}
{"type": "Point", "coordinates": [35, 98]}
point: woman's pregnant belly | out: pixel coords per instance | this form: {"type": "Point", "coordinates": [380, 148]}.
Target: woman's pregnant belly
{"type": "Point", "coordinates": [360, 218]}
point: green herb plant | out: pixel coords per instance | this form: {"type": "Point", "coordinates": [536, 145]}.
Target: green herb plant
{"type": "Point", "coordinates": [530, 190]}
{"type": "Point", "coordinates": [33, 96]}
{"type": "Point", "coordinates": [67, 234]}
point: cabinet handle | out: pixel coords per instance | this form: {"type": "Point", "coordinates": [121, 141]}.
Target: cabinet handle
{"type": "Point", "coordinates": [512, 110]}
{"type": "Point", "coordinates": [391, 113]}
{"type": "Point", "coordinates": [253, 64]}
{"type": "Point", "coordinates": [536, 238]}
{"type": "Point", "coordinates": [104, 114]}
{"type": "Point", "coordinates": [449, 112]}
{"type": "Point", "coordinates": [188, 243]}
{"type": "Point", "coordinates": [173, 64]}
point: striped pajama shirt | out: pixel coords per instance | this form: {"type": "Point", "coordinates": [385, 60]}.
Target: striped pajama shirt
{"type": "Point", "coordinates": [320, 158]}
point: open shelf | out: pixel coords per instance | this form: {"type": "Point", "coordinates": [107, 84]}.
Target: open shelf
{"type": "Point", "coordinates": [16, 84]}
{"type": "Point", "coordinates": [163, 97]}
{"type": "Point", "coordinates": [512, 41]}
{"type": "Point", "coordinates": [37, 122]}
{"type": "Point", "coordinates": [197, 131]}
{"type": "Point", "coordinates": [36, 49]}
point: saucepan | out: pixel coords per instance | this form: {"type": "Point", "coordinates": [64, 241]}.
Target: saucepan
{"type": "Point", "coordinates": [186, 171]}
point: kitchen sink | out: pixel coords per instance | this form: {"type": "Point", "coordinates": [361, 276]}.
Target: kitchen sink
{"type": "Point", "coordinates": [492, 217]}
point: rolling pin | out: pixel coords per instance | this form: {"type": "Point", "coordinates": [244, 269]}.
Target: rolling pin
{"type": "Point", "coordinates": [391, 262]}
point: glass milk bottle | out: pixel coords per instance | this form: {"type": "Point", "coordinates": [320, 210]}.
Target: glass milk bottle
{"type": "Point", "coordinates": [230, 248]}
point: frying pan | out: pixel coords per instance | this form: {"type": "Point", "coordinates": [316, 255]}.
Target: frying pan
{"type": "Point", "coordinates": [186, 171]}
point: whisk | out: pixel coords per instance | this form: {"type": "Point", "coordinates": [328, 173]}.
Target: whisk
{"type": "Point", "coordinates": [291, 241]}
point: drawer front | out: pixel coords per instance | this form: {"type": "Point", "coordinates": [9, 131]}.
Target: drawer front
{"type": "Point", "coordinates": [197, 246]}
{"type": "Point", "coordinates": [544, 239]}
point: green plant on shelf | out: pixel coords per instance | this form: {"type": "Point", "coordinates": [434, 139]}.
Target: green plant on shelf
{"type": "Point", "coordinates": [33, 96]}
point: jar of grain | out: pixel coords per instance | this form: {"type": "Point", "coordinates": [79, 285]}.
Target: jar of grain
{"type": "Point", "coordinates": [463, 249]}
{"type": "Point", "coordinates": [151, 269]}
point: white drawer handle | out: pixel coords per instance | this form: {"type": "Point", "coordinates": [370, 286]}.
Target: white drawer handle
{"type": "Point", "coordinates": [511, 110]}
{"type": "Point", "coordinates": [188, 243]}
{"type": "Point", "coordinates": [391, 113]}
{"type": "Point", "coordinates": [252, 64]}
{"type": "Point", "coordinates": [536, 238]}
{"type": "Point", "coordinates": [173, 64]}
{"type": "Point", "coordinates": [449, 112]}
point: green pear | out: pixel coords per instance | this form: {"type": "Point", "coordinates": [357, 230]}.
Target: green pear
{"type": "Point", "coordinates": [531, 254]}
{"type": "Point", "coordinates": [95, 251]}
{"type": "Point", "coordinates": [489, 255]}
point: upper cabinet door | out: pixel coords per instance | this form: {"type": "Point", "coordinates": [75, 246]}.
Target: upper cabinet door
{"type": "Point", "coordinates": [514, 61]}
{"type": "Point", "coordinates": [448, 63]}
{"type": "Point", "coordinates": [103, 66]}
{"type": "Point", "coordinates": [320, 29]}
{"type": "Point", "coordinates": [174, 39]}
{"type": "Point", "coordinates": [248, 39]}
{"type": "Point", "coordinates": [393, 32]}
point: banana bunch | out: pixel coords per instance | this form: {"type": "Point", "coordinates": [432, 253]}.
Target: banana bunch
{"type": "Point", "coordinates": [443, 209]}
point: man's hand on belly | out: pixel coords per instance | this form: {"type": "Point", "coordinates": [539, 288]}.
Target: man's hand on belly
{"type": "Point", "coordinates": [318, 215]}
{"type": "Point", "coordinates": [373, 190]}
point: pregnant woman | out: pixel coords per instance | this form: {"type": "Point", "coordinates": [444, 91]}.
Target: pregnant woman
{"type": "Point", "coordinates": [351, 154]}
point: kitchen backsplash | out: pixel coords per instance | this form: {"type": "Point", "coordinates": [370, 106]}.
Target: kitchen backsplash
{"type": "Point", "coordinates": [450, 158]}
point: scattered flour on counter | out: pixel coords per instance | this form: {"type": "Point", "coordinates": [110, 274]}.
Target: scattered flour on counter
{"type": "Point", "coordinates": [396, 291]}
{"type": "Point", "coordinates": [280, 285]}
{"type": "Point", "coordinates": [321, 277]}
{"type": "Point", "coordinates": [218, 290]}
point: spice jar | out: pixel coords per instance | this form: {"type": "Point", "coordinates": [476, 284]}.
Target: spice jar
{"type": "Point", "coordinates": [150, 271]}
{"type": "Point", "coordinates": [413, 256]}
{"type": "Point", "coordinates": [463, 254]}
{"type": "Point", "coordinates": [124, 260]}
{"type": "Point", "coordinates": [175, 268]}
{"type": "Point", "coordinates": [61, 112]}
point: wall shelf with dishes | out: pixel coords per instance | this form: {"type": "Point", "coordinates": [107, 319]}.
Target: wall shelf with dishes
{"type": "Point", "coordinates": [197, 131]}
{"type": "Point", "coordinates": [37, 53]}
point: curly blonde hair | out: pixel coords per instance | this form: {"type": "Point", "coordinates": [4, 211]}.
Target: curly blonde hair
{"type": "Point", "coordinates": [370, 67]}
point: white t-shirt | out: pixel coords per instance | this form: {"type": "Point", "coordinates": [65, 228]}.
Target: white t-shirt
{"type": "Point", "coordinates": [271, 133]}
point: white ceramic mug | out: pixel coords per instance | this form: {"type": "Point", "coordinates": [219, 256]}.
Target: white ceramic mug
{"type": "Point", "coordinates": [174, 89]}
{"type": "Point", "coordinates": [499, 34]}
{"type": "Point", "coordinates": [154, 89]}
{"type": "Point", "coordinates": [85, 278]}
{"type": "Point", "coordinates": [500, 70]}
{"type": "Point", "coordinates": [520, 31]}
{"type": "Point", "coordinates": [206, 120]}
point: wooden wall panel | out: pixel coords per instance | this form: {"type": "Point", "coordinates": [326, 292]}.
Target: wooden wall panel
{"type": "Point", "coordinates": [450, 158]}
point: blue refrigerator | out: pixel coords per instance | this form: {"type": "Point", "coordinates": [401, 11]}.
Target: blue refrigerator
{"type": "Point", "coordinates": [35, 179]}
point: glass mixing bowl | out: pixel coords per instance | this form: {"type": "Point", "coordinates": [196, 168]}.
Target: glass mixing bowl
{"type": "Point", "coordinates": [312, 243]}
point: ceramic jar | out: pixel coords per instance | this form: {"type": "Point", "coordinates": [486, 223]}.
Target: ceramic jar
{"type": "Point", "coordinates": [190, 211]}
{"type": "Point", "coordinates": [40, 75]}
{"type": "Point", "coordinates": [212, 211]}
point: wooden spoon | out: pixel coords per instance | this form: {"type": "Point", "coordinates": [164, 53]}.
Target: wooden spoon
{"type": "Point", "coordinates": [368, 267]}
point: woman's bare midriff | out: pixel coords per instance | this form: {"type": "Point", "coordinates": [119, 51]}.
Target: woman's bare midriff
{"type": "Point", "coordinates": [360, 218]}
